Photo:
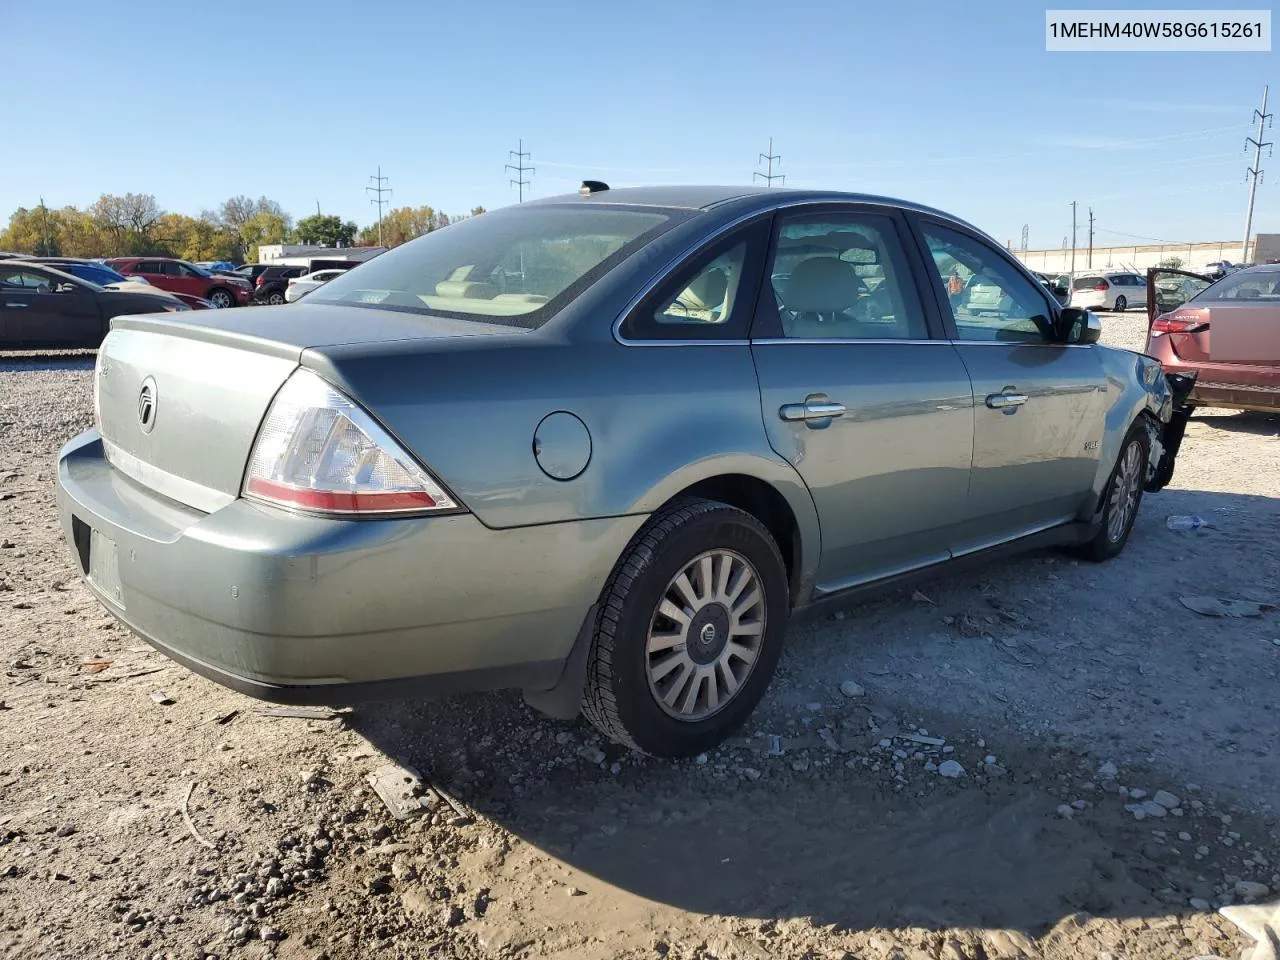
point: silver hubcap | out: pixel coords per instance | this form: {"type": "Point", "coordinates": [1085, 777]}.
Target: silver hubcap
{"type": "Point", "coordinates": [1124, 492]}
{"type": "Point", "coordinates": [706, 634]}
{"type": "Point", "coordinates": [221, 299]}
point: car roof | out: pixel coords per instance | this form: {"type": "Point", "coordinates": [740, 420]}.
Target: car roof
{"type": "Point", "coordinates": [707, 197]}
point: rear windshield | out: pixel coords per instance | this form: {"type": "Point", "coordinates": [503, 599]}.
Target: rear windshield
{"type": "Point", "coordinates": [517, 266]}
{"type": "Point", "coordinates": [1084, 283]}
{"type": "Point", "coordinates": [1263, 286]}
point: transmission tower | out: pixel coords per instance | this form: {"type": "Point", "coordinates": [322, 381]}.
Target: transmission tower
{"type": "Point", "coordinates": [768, 158]}
{"type": "Point", "coordinates": [1254, 173]}
{"type": "Point", "coordinates": [1026, 232]}
{"type": "Point", "coordinates": [378, 190]}
{"type": "Point", "coordinates": [520, 155]}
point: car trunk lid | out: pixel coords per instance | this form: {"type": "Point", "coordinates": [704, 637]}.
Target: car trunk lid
{"type": "Point", "coordinates": [179, 402]}
{"type": "Point", "coordinates": [1244, 333]}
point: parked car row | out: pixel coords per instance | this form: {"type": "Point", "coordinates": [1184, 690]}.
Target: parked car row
{"type": "Point", "coordinates": [179, 276]}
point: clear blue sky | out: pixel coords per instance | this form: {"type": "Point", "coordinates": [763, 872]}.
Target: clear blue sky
{"type": "Point", "coordinates": [952, 104]}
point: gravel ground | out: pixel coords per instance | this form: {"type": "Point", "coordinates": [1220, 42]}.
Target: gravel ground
{"type": "Point", "coordinates": [986, 784]}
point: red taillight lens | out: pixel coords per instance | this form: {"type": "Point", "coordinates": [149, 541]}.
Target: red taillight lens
{"type": "Point", "coordinates": [318, 450]}
{"type": "Point", "coordinates": [1171, 324]}
{"type": "Point", "coordinates": [258, 282]}
{"type": "Point", "coordinates": [1100, 286]}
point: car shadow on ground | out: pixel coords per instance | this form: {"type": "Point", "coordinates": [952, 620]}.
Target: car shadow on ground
{"type": "Point", "coordinates": [751, 835]}
{"type": "Point", "coordinates": [1258, 424]}
{"type": "Point", "coordinates": [14, 361]}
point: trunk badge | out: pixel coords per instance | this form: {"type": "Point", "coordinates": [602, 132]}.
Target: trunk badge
{"type": "Point", "coordinates": [147, 405]}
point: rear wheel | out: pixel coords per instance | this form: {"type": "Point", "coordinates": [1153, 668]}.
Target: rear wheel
{"type": "Point", "coordinates": [1121, 303]}
{"type": "Point", "coordinates": [221, 298]}
{"type": "Point", "coordinates": [1122, 497]}
{"type": "Point", "coordinates": [275, 299]}
{"type": "Point", "coordinates": [691, 625]}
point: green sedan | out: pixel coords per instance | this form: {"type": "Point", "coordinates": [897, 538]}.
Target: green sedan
{"type": "Point", "coordinates": [600, 448]}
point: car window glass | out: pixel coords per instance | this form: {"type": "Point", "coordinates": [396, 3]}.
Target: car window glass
{"type": "Point", "coordinates": [20, 278]}
{"type": "Point", "coordinates": [170, 269]}
{"type": "Point", "coordinates": [844, 277]}
{"type": "Point", "coordinates": [989, 299]}
{"type": "Point", "coordinates": [708, 298]}
{"type": "Point", "coordinates": [1245, 286]}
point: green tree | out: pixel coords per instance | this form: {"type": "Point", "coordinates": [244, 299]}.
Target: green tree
{"type": "Point", "coordinates": [476, 211]}
{"type": "Point", "coordinates": [26, 232]}
{"type": "Point", "coordinates": [326, 229]}
{"type": "Point", "coordinates": [251, 223]}
{"type": "Point", "coordinates": [127, 221]}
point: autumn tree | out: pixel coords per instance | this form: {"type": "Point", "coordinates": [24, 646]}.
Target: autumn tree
{"type": "Point", "coordinates": [127, 220]}
{"type": "Point", "coordinates": [326, 230]}
{"type": "Point", "coordinates": [251, 223]}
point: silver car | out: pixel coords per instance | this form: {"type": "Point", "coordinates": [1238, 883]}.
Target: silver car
{"type": "Point", "coordinates": [599, 447]}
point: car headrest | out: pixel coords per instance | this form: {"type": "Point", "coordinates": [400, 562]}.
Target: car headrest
{"type": "Point", "coordinates": [468, 289]}
{"type": "Point", "coordinates": [823, 285]}
{"type": "Point", "coordinates": [706, 292]}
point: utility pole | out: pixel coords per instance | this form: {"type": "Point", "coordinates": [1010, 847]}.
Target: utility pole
{"type": "Point", "coordinates": [377, 190]}
{"type": "Point", "coordinates": [1090, 264]}
{"type": "Point", "coordinates": [317, 206]}
{"type": "Point", "coordinates": [520, 155]}
{"type": "Point", "coordinates": [768, 158]}
{"type": "Point", "coordinates": [1073, 238]}
{"type": "Point", "coordinates": [1026, 232]}
{"type": "Point", "coordinates": [1254, 174]}
{"type": "Point", "coordinates": [44, 215]}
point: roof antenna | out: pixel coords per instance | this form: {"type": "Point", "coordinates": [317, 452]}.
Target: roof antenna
{"type": "Point", "coordinates": [592, 186]}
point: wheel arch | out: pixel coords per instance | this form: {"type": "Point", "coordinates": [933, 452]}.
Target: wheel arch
{"type": "Point", "coordinates": [787, 511]}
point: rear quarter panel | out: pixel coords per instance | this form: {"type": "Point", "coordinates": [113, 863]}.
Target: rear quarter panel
{"type": "Point", "coordinates": [660, 419]}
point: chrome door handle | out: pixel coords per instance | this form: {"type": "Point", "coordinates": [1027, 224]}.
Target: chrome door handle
{"type": "Point", "coordinates": [815, 407]}
{"type": "Point", "coordinates": [17, 306]}
{"type": "Point", "coordinates": [999, 401]}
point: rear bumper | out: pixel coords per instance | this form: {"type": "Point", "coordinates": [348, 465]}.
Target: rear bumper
{"type": "Point", "coordinates": [1218, 385]}
{"type": "Point", "coordinates": [301, 609]}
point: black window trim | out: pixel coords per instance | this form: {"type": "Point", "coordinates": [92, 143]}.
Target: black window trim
{"type": "Point", "coordinates": [753, 232]}
{"type": "Point", "coordinates": [766, 325]}
{"type": "Point", "coordinates": [916, 220]}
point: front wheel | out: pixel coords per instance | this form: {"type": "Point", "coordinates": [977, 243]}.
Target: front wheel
{"type": "Point", "coordinates": [222, 299]}
{"type": "Point", "coordinates": [1122, 497]}
{"type": "Point", "coordinates": [691, 625]}
{"type": "Point", "coordinates": [1121, 303]}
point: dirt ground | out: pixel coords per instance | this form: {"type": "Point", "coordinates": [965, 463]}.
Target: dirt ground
{"type": "Point", "coordinates": [828, 829]}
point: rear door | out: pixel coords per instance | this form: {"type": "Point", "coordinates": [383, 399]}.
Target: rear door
{"type": "Point", "coordinates": [153, 272]}
{"type": "Point", "coordinates": [1039, 406]}
{"type": "Point", "coordinates": [860, 391]}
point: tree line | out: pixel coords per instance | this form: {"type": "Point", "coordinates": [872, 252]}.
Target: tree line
{"type": "Point", "coordinates": [135, 225]}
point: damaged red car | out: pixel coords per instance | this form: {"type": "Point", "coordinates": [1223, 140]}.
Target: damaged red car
{"type": "Point", "coordinates": [1226, 332]}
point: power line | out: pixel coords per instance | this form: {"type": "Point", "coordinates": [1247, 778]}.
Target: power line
{"type": "Point", "coordinates": [769, 176]}
{"type": "Point", "coordinates": [1090, 263]}
{"type": "Point", "coordinates": [1073, 237]}
{"type": "Point", "coordinates": [1254, 173]}
{"type": "Point", "coordinates": [378, 190]}
{"type": "Point", "coordinates": [521, 155]}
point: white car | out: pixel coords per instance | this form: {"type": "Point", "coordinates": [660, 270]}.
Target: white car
{"type": "Point", "coordinates": [300, 286]}
{"type": "Point", "coordinates": [1109, 291]}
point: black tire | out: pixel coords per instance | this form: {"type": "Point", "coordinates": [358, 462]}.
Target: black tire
{"type": "Point", "coordinates": [618, 697]}
{"type": "Point", "coordinates": [1121, 303]}
{"type": "Point", "coordinates": [222, 298]}
{"type": "Point", "coordinates": [1111, 538]}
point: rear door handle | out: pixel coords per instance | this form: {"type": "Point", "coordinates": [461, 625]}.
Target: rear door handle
{"type": "Point", "coordinates": [1005, 399]}
{"type": "Point", "coordinates": [817, 406]}
{"type": "Point", "coordinates": [17, 306]}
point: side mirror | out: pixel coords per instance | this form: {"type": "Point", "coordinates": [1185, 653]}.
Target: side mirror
{"type": "Point", "coordinates": [1078, 325]}
{"type": "Point", "coordinates": [65, 287]}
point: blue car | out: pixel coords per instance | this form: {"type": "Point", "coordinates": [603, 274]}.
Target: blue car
{"type": "Point", "coordinates": [98, 273]}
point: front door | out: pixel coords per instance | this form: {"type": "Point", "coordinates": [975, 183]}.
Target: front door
{"type": "Point", "coordinates": [861, 394]}
{"type": "Point", "coordinates": [1039, 405]}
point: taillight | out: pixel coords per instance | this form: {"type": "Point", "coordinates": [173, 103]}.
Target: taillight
{"type": "Point", "coordinates": [1100, 286]}
{"type": "Point", "coordinates": [318, 450]}
{"type": "Point", "coordinates": [1171, 324]}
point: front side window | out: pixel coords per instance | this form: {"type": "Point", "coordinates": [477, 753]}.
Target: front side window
{"type": "Point", "coordinates": [518, 266]}
{"type": "Point", "coordinates": [844, 277]}
{"type": "Point", "coordinates": [989, 299]}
